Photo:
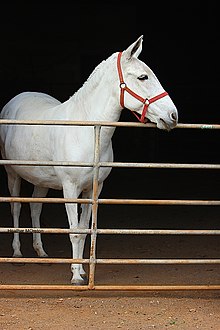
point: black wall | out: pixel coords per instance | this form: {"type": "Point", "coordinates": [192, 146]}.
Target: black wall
{"type": "Point", "coordinates": [53, 46]}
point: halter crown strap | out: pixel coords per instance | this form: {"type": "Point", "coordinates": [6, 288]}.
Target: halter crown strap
{"type": "Point", "coordinates": [124, 88]}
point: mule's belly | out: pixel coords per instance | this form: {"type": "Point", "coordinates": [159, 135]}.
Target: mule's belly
{"type": "Point", "coordinates": [54, 178]}
{"type": "Point", "coordinates": [39, 176]}
{"type": "Point", "coordinates": [38, 144]}
{"type": "Point", "coordinates": [48, 145]}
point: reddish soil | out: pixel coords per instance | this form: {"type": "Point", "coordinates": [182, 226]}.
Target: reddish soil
{"type": "Point", "coordinates": [92, 310]}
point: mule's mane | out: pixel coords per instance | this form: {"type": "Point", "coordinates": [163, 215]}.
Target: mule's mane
{"type": "Point", "coordinates": [94, 78]}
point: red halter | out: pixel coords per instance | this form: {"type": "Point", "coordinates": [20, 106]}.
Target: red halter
{"type": "Point", "coordinates": [124, 88]}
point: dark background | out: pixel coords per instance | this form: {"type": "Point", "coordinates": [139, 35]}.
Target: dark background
{"type": "Point", "coordinates": [53, 46]}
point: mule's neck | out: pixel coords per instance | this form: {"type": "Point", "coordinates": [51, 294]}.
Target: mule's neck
{"type": "Point", "coordinates": [98, 98]}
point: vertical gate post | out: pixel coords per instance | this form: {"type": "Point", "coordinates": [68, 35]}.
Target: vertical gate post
{"type": "Point", "coordinates": [92, 261]}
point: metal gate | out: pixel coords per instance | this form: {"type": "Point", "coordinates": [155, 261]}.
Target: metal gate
{"type": "Point", "coordinates": [94, 231]}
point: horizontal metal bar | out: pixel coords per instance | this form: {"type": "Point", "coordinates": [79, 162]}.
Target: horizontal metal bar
{"type": "Point", "coordinates": [44, 200]}
{"type": "Point", "coordinates": [107, 164]}
{"type": "Point", "coordinates": [44, 163]}
{"type": "Point", "coordinates": [45, 230]}
{"type": "Point", "coordinates": [43, 260]}
{"type": "Point", "coordinates": [111, 231]}
{"type": "Point", "coordinates": [159, 165]}
{"type": "Point", "coordinates": [158, 202]}
{"type": "Point", "coordinates": [199, 126]}
{"type": "Point", "coordinates": [73, 123]}
{"type": "Point", "coordinates": [109, 261]}
{"type": "Point", "coordinates": [158, 231]}
{"type": "Point", "coordinates": [156, 261]}
{"type": "Point", "coordinates": [109, 287]}
{"type": "Point", "coordinates": [100, 123]}
{"type": "Point", "coordinates": [110, 201]}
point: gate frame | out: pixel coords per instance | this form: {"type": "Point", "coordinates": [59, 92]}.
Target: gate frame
{"type": "Point", "coordinates": [95, 201]}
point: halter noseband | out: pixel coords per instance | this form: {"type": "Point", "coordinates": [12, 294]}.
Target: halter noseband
{"type": "Point", "coordinates": [124, 88]}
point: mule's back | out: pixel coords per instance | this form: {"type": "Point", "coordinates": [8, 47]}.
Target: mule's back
{"type": "Point", "coordinates": [32, 102]}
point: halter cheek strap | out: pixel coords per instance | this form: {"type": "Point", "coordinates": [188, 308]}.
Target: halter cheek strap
{"type": "Point", "coordinates": [124, 88]}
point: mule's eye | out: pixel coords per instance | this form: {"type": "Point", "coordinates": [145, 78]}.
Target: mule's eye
{"type": "Point", "coordinates": [143, 77]}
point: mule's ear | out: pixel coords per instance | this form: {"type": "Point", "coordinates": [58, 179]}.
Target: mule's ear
{"type": "Point", "coordinates": [134, 49]}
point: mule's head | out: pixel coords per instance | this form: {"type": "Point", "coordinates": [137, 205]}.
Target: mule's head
{"type": "Point", "coordinates": [141, 90]}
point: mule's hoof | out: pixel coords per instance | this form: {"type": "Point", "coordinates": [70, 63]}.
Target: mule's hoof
{"type": "Point", "coordinates": [43, 255]}
{"type": "Point", "coordinates": [79, 281]}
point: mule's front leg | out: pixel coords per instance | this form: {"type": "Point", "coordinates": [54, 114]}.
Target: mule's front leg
{"type": "Point", "coordinates": [84, 222]}
{"type": "Point", "coordinates": [78, 277]}
{"type": "Point", "coordinates": [70, 191]}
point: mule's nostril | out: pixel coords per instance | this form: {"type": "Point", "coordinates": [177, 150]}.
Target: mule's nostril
{"type": "Point", "coordinates": [173, 116]}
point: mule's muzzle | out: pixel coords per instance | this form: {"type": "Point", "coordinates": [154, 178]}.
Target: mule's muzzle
{"type": "Point", "coordinates": [170, 121]}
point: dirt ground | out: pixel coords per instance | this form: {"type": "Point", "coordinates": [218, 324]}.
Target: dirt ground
{"type": "Point", "coordinates": [35, 310]}
{"type": "Point", "coordinates": [86, 310]}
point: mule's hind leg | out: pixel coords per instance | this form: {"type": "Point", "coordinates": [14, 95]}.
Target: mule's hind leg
{"type": "Point", "coordinates": [14, 185]}
{"type": "Point", "coordinates": [36, 209]}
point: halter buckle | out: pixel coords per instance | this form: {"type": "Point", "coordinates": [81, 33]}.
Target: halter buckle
{"type": "Point", "coordinates": [123, 85]}
{"type": "Point", "coordinates": [147, 102]}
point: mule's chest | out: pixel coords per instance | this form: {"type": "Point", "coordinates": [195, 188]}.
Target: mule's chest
{"type": "Point", "coordinates": [80, 148]}
{"type": "Point", "coordinates": [86, 174]}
